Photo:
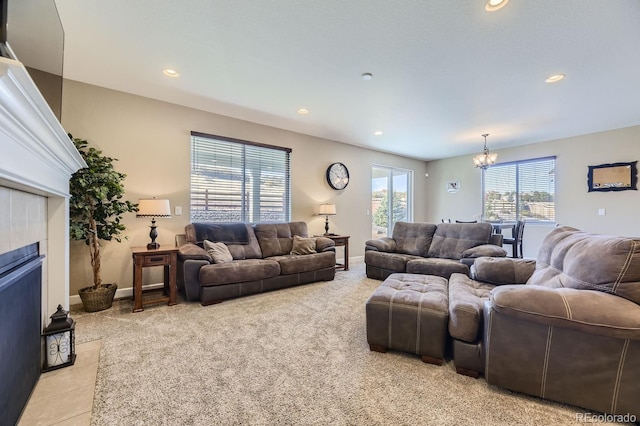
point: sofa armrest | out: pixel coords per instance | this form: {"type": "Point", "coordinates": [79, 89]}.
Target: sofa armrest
{"type": "Point", "coordinates": [502, 270]}
{"type": "Point", "coordinates": [325, 244]}
{"type": "Point", "coordinates": [190, 272]}
{"type": "Point", "coordinates": [386, 244]}
{"type": "Point", "coordinates": [190, 251]}
{"type": "Point", "coordinates": [190, 259]}
{"type": "Point", "coordinates": [484, 250]}
{"type": "Point", "coordinates": [588, 311]}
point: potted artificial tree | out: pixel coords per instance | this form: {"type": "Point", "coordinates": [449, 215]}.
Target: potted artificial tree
{"type": "Point", "coordinates": [95, 213]}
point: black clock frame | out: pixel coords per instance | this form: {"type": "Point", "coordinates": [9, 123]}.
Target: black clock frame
{"type": "Point", "coordinates": [328, 175]}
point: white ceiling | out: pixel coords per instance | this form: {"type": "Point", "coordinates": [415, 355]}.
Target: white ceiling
{"type": "Point", "coordinates": [444, 72]}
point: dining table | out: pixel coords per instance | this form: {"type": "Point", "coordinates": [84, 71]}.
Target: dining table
{"type": "Point", "coordinates": [499, 226]}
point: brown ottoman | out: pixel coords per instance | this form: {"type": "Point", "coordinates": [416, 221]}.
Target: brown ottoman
{"type": "Point", "coordinates": [410, 313]}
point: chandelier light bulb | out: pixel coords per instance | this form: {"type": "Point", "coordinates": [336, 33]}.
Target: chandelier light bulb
{"type": "Point", "coordinates": [485, 159]}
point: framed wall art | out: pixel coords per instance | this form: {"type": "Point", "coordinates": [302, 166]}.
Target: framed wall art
{"type": "Point", "coordinates": [613, 177]}
{"type": "Point", "coordinates": [453, 186]}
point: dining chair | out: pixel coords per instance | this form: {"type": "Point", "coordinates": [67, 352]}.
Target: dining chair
{"type": "Point", "coordinates": [516, 239]}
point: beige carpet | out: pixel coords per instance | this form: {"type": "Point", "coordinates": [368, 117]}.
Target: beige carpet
{"type": "Point", "coordinates": [296, 356]}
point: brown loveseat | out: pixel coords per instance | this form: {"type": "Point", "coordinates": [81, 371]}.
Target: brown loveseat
{"type": "Point", "coordinates": [262, 259]}
{"type": "Point", "coordinates": [565, 327]}
{"type": "Point", "coordinates": [429, 249]}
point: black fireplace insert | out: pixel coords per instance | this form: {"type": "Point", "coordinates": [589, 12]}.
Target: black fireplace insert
{"type": "Point", "coordinates": [20, 328]}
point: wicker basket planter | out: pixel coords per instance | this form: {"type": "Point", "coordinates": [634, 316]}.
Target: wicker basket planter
{"type": "Point", "coordinates": [94, 300]}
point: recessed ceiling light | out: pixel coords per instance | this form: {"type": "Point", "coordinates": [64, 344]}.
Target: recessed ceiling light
{"type": "Point", "coordinates": [493, 5]}
{"type": "Point", "coordinates": [303, 111]}
{"type": "Point", "coordinates": [378, 133]}
{"type": "Point", "coordinates": [170, 73]}
{"type": "Point", "coordinates": [555, 78]}
{"type": "Point", "coordinates": [367, 76]}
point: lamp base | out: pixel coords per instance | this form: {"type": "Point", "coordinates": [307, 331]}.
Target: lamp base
{"type": "Point", "coordinates": [153, 235]}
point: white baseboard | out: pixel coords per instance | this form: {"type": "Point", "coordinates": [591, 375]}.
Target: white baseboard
{"type": "Point", "coordinates": [121, 293]}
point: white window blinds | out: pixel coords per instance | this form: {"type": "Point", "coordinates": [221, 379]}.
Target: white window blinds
{"type": "Point", "coordinates": [239, 181]}
{"type": "Point", "coordinates": [521, 190]}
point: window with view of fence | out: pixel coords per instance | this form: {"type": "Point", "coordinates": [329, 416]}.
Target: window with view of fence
{"type": "Point", "coordinates": [238, 181]}
{"type": "Point", "coordinates": [520, 190]}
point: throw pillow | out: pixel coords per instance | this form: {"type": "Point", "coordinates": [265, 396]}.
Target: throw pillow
{"type": "Point", "coordinates": [303, 245]}
{"type": "Point", "coordinates": [218, 251]}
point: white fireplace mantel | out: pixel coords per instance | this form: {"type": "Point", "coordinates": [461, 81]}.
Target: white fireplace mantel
{"type": "Point", "coordinates": [36, 151]}
{"type": "Point", "coordinates": [37, 156]}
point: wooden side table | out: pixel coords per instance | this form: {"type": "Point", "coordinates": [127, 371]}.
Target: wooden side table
{"type": "Point", "coordinates": [340, 240]}
{"type": "Point", "coordinates": [143, 258]}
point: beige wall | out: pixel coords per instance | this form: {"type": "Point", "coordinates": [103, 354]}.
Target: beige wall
{"type": "Point", "coordinates": [151, 139]}
{"type": "Point", "coordinates": [574, 206]}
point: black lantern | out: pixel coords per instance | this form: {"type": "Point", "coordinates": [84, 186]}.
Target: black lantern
{"type": "Point", "coordinates": [59, 340]}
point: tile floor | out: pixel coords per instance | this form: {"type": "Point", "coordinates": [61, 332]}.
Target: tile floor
{"type": "Point", "coordinates": [64, 397]}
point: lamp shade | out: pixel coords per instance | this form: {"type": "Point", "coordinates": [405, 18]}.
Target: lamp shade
{"type": "Point", "coordinates": [150, 207]}
{"type": "Point", "coordinates": [327, 210]}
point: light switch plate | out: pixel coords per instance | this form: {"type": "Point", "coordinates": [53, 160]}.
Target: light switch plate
{"type": "Point", "coordinates": [602, 212]}
{"type": "Point", "coordinates": [178, 210]}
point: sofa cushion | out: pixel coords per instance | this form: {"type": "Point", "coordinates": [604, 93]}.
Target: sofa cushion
{"type": "Point", "coordinates": [276, 239]}
{"type": "Point", "coordinates": [574, 259]}
{"type": "Point", "coordinates": [294, 264]}
{"type": "Point", "coordinates": [218, 252]}
{"type": "Point", "coordinates": [389, 261]}
{"type": "Point", "coordinates": [413, 238]}
{"type": "Point", "coordinates": [466, 299]}
{"type": "Point", "coordinates": [452, 239]}
{"type": "Point", "coordinates": [435, 266]}
{"type": "Point", "coordinates": [302, 246]}
{"type": "Point", "coordinates": [502, 270]}
{"type": "Point", "coordinates": [238, 271]}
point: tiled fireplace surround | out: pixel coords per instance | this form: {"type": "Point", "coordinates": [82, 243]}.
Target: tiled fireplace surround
{"type": "Point", "coordinates": [37, 158]}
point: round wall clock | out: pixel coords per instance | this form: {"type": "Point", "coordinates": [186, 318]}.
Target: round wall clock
{"type": "Point", "coordinates": [337, 176]}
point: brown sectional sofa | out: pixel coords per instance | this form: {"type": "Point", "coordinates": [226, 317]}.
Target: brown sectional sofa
{"type": "Point", "coordinates": [564, 327]}
{"type": "Point", "coordinates": [429, 249]}
{"type": "Point", "coordinates": [262, 260]}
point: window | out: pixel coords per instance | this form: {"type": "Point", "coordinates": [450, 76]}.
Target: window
{"type": "Point", "coordinates": [521, 190]}
{"type": "Point", "coordinates": [391, 199]}
{"type": "Point", "coordinates": [239, 181]}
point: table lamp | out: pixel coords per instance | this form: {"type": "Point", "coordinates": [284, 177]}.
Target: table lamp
{"type": "Point", "coordinates": [150, 207]}
{"type": "Point", "coordinates": [327, 210]}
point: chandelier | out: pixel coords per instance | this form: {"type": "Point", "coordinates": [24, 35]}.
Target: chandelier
{"type": "Point", "coordinates": [485, 159]}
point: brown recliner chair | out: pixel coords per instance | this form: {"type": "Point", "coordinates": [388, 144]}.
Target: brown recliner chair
{"type": "Point", "coordinates": [571, 334]}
